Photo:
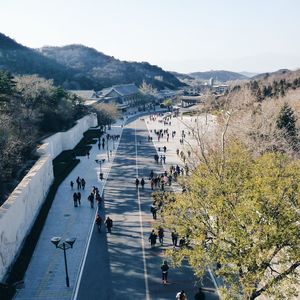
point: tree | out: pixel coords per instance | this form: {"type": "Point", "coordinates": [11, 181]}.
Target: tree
{"type": "Point", "coordinates": [241, 214]}
{"type": "Point", "coordinates": [168, 103]}
{"type": "Point", "coordinates": [7, 89]}
{"type": "Point", "coordinates": [287, 121]}
{"type": "Point", "coordinates": [106, 113]}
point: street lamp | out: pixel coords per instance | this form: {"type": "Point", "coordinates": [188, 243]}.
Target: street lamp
{"type": "Point", "coordinates": [100, 162]}
{"type": "Point", "coordinates": [64, 245]}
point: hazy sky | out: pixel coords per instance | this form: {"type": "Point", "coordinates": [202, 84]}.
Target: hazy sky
{"type": "Point", "coordinates": [179, 35]}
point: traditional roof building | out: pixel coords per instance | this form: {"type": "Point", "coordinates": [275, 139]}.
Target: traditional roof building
{"type": "Point", "coordinates": [124, 95]}
{"type": "Point", "coordinates": [88, 96]}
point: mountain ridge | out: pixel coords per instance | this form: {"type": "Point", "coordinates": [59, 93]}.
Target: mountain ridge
{"type": "Point", "coordinates": [218, 75]}
{"type": "Point", "coordinates": [79, 67]}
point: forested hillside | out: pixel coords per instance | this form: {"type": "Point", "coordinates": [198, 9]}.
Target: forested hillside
{"type": "Point", "coordinates": [264, 113]}
{"type": "Point", "coordinates": [79, 67]}
{"type": "Point", "coordinates": [30, 108]}
{"type": "Point", "coordinates": [219, 75]}
{"type": "Point", "coordinates": [106, 70]}
{"type": "Point", "coordinates": [21, 60]}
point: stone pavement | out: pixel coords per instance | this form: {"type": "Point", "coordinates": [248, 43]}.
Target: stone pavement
{"type": "Point", "coordinates": [45, 276]}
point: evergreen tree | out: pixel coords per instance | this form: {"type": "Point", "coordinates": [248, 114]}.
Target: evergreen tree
{"type": "Point", "coordinates": [287, 121]}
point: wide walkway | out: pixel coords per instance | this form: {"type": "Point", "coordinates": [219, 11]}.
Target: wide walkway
{"type": "Point", "coordinates": [45, 276]}
{"type": "Point", "coordinates": [120, 265]}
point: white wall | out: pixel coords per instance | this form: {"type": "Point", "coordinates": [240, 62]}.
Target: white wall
{"type": "Point", "coordinates": [19, 211]}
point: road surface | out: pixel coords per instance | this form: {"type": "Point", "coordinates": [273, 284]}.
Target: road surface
{"type": "Point", "coordinates": [122, 265]}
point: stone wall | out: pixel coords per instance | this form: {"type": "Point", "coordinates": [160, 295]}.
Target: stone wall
{"type": "Point", "coordinates": [19, 211]}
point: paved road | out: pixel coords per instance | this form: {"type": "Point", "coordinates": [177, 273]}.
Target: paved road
{"type": "Point", "coordinates": [122, 265]}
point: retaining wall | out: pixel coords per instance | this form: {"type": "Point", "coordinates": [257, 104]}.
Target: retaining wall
{"type": "Point", "coordinates": [19, 211]}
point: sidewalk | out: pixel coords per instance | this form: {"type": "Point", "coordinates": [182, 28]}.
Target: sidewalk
{"type": "Point", "coordinates": [204, 124]}
{"type": "Point", "coordinates": [45, 276]}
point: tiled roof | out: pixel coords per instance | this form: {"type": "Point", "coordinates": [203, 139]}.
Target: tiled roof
{"type": "Point", "coordinates": [122, 89]}
{"type": "Point", "coordinates": [85, 94]}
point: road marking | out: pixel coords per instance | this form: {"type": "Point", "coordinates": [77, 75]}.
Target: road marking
{"type": "Point", "coordinates": [82, 264]}
{"type": "Point", "coordinates": [141, 220]}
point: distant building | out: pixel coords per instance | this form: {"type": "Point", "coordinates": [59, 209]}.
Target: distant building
{"type": "Point", "coordinates": [88, 96]}
{"type": "Point", "coordinates": [220, 89]}
{"type": "Point", "coordinates": [166, 94]}
{"type": "Point", "coordinates": [123, 96]}
{"type": "Point", "coordinates": [187, 101]}
{"type": "Point", "coordinates": [211, 81]}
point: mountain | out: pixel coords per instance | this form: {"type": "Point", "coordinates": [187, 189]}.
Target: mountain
{"type": "Point", "coordinates": [106, 70]}
{"type": "Point", "coordinates": [182, 76]}
{"type": "Point", "coordinates": [219, 75]}
{"type": "Point", "coordinates": [79, 67]}
{"type": "Point", "coordinates": [21, 60]}
{"type": "Point", "coordinates": [248, 74]}
{"type": "Point", "coordinates": [266, 75]}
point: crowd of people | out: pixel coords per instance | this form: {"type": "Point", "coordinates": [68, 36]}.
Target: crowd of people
{"type": "Point", "coordinates": [155, 181]}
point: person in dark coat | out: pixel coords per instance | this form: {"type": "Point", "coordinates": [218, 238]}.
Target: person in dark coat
{"type": "Point", "coordinates": [164, 272]}
{"type": "Point", "coordinates": [109, 224]}
{"type": "Point", "coordinates": [75, 199]}
{"type": "Point", "coordinates": [152, 238]}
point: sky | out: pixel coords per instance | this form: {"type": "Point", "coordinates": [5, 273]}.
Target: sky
{"type": "Point", "coordinates": [178, 35]}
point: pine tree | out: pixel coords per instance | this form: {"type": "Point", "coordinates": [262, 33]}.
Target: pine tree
{"type": "Point", "coordinates": [287, 121]}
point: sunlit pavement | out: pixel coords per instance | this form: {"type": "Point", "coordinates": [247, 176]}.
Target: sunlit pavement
{"type": "Point", "coordinates": [120, 265]}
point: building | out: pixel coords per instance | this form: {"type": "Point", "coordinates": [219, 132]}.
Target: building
{"type": "Point", "coordinates": [123, 96]}
{"type": "Point", "coordinates": [89, 96]}
{"type": "Point", "coordinates": [220, 89]}
{"type": "Point", "coordinates": [166, 94]}
{"type": "Point", "coordinates": [187, 101]}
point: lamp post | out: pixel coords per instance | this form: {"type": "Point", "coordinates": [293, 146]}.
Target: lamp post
{"type": "Point", "coordinates": [100, 162]}
{"type": "Point", "coordinates": [64, 245]}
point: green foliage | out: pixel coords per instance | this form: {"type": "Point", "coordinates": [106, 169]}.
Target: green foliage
{"type": "Point", "coordinates": [168, 103]}
{"type": "Point", "coordinates": [242, 213]}
{"type": "Point", "coordinates": [7, 88]}
{"type": "Point", "coordinates": [30, 108]}
{"type": "Point", "coordinates": [287, 120]}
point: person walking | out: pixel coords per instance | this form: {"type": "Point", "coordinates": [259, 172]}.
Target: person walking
{"type": "Point", "coordinates": [161, 235]}
{"type": "Point", "coordinates": [164, 272]}
{"type": "Point", "coordinates": [78, 181]}
{"type": "Point", "coordinates": [181, 295]}
{"type": "Point", "coordinates": [153, 210]}
{"type": "Point", "coordinates": [142, 183]}
{"type": "Point", "coordinates": [137, 182]}
{"type": "Point", "coordinates": [72, 184]}
{"type": "Point", "coordinates": [152, 183]}
{"type": "Point", "coordinates": [152, 238]}
{"type": "Point", "coordinates": [82, 183]}
{"type": "Point", "coordinates": [99, 200]}
{"type": "Point", "coordinates": [109, 224]}
{"type": "Point", "coordinates": [174, 236]}
{"type": "Point", "coordinates": [98, 222]}
{"type": "Point", "coordinates": [200, 295]}
{"type": "Point", "coordinates": [75, 199]}
{"type": "Point", "coordinates": [79, 198]}
{"type": "Point", "coordinates": [91, 199]}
